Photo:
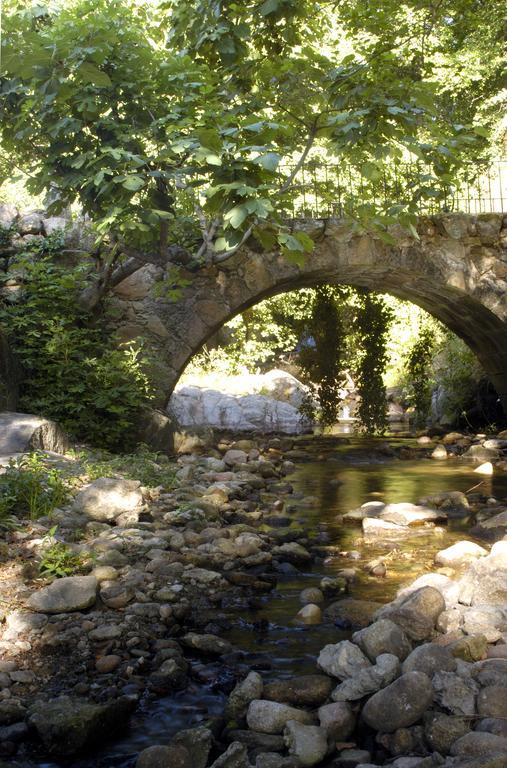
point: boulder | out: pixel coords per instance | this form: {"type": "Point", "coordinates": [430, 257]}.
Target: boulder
{"type": "Point", "coordinates": [22, 432]}
{"type": "Point", "coordinates": [400, 704]}
{"type": "Point", "coordinates": [460, 553]}
{"type": "Point", "coordinates": [430, 658]}
{"type": "Point", "coordinates": [478, 744]}
{"type": "Point", "coordinates": [492, 701]}
{"type": "Point", "coordinates": [485, 581]}
{"type": "Point", "coordinates": [309, 614]}
{"type": "Point", "coordinates": [246, 691]}
{"type": "Point", "coordinates": [198, 742]}
{"type": "Point", "coordinates": [342, 660]}
{"type": "Point", "coordinates": [235, 756]}
{"type": "Point", "coordinates": [72, 593]}
{"type": "Point", "coordinates": [303, 691]}
{"type": "Point", "coordinates": [383, 636]}
{"type": "Point", "coordinates": [410, 514]}
{"type": "Point", "coordinates": [350, 612]}
{"type": "Point", "coordinates": [441, 730]}
{"type": "Point", "coordinates": [337, 719]}
{"type": "Point", "coordinates": [370, 680]}
{"type": "Point", "coordinates": [159, 756]}
{"type": "Point", "coordinates": [417, 614]}
{"type": "Point", "coordinates": [67, 725]}
{"type": "Point", "coordinates": [107, 498]}
{"type": "Point", "coordinates": [454, 693]}
{"type": "Point", "coordinates": [308, 743]}
{"type": "Point", "coordinates": [207, 644]}
{"type": "Point", "coordinates": [271, 717]}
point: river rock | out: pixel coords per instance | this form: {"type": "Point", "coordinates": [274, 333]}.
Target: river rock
{"type": "Point", "coordinates": [374, 528]}
{"type": "Point", "coordinates": [308, 743]}
{"type": "Point", "coordinates": [477, 743]}
{"type": "Point", "coordinates": [337, 719]}
{"type": "Point", "coordinates": [383, 636]}
{"type": "Point", "coordinates": [439, 452]}
{"type": "Point", "coordinates": [235, 756]}
{"type": "Point", "coordinates": [485, 581]}
{"type": "Point", "coordinates": [67, 725]}
{"type": "Point", "coordinates": [368, 681]}
{"type": "Point", "coordinates": [492, 725]}
{"type": "Point", "coordinates": [207, 644]}
{"type": "Point", "coordinates": [107, 498]}
{"type": "Point", "coordinates": [292, 552]}
{"type": "Point", "coordinates": [72, 593]}
{"type": "Point", "coordinates": [482, 454]}
{"type": "Point", "coordinates": [460, 553]}
{"type": "Point", "coordinates": [417, 614]}
{"type": "Point", "coordinates": [158, 756]}
{"type": "Point", "coordinates": [350, 612]}
{"type": "Point", "coordinates": [487, 620]}
{"type": "Point", "coordinates": [22, 432]}
{"type": "Point", "coordinates": [246, 691]}
{"type": "Point", "coordinates": [448, 588]}
{"type": "Point", "coordinates": [369, 509]}
{"type": "Point", "coordinates": [441, 730]}
{"type": "Point", "coordinates": [311, 595]}
{"type": "Point", "coordinates": [410, 514]}
{"type": "Point", "coordinates": [309, 614]}
{"type": "Point", "coordinates": [400, 704]}
{"type": "Point", "coordinates": [342, 660]}
{"type": "Point", "coordinates": [271, 717]}
{"type": "Point", "coordinates": [304, 691]}
{"type": "Point", "coordinates": [470, 648]}
{"type": "Point", "coordinates": [492, 701]}
{"type": "Point", "coordinates": [430, 658]}
{"type": "Point", "coordinates": [454, 693]}
{"type": "Point", "coordinates": [198, 742]}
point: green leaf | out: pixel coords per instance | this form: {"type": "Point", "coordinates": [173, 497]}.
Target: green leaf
{"type": "Point", "coordinates": [133, 183]}
{"type": "Point", "coordinates": [269, 6]}
{"type": "Point", "coordinates": [269, 161]}
{"type": "Point", "coordinates": [89, 73]}
{"type": "Point", "coordinates": [236, 216]}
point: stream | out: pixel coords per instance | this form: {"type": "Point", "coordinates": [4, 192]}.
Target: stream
{"type": "Point", "coordinates": [340, 475]}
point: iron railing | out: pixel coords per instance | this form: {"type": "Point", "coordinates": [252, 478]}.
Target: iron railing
{"type": "Point", "coordinates": [323, 190]}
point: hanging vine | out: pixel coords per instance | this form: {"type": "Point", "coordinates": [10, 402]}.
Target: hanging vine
{"type": "Point", "coordinates": [418, 371]}
{"type": "Point", "coordinates": [373, 321]}
{"type": "Point", "coordinates": [321, 358]}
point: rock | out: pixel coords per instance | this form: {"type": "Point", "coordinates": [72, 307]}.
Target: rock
{"type": "Point", "coordinates": [400, 704]}
{"type": "Point", "coordinates": [233, 457]}
{"type": "Point", "coordinates": [198, 742]}
{"type": "Point", "coordinates": [492, 528]}
{"type": "Point", "coordinates": [11, 711]}
{"type": "Point", "coordinates": [441, 730]}
{"type": "Point", "coordinates": [72, 593]}
{"type": "Point", "coordinates": [485, 581]}
{"type": "Point", "coordinates": [479, 453]}
{"type": "Point", "coordinates": [337, 719]}
{"type": "Point", "coordinates": [383, 636]}
{"type": "Point", "coordinates": [417, 614]}
{"type": "Point", "coordinates": [29, 223]}
{"type": "Point", "coordinates": [107, 664]}
{"type": "Point", "coordinates": [460, 553]}
{"type": "Point", "coordinates": [304, 691]}
{"type": "Point", "coordinates": [492, 725]}
{"type": "Point", "coordinates": [478, 744]}
{"type": "Point", "coordinates": [235, 756]}
{"type": "Point", "coordinates": [439, 452]}
{"type": "Point", "coordinates": [492, 701]}
{"type": "Point", "coordinates": [308, 743]}
{"type": "Point", "coordinates": [271, 717]}
{"type": "Point", "coordinates": [342, 660]}
{"type": "Point", "coordinates": [292, 552]}
{"type": "Point", "coordinates": [309, 614]}
{"type": "Point", "coordinates": [373, 528]}
{"type": "Point", "coordinates": [332, 586]}
{"type": "Point", "coordinates": [207, 644]}
{"type": "Point", "coordinates": [22, 432]}
{"type": "Point", "coordinates": [484, 469]}
{"type": "Point", "coordinates": [454, 693]}
{"type": "Point", "coordinates": [22, 621]}
{"type": "Point", "coordinates": [107, 498]}
{"type": "Point", "coordinates": [410, 514]}
{"type": "Point", "coordinates": [254, 740]}
{"type": "Point", "coordinates": [429, 659]}
{"type": "Point", "coordinates": [353, 758]}
{"type": "Point", "coordinates": [246, 691]}
{"type": "Point", "coordinates": [471, 648]}
{"type": "Point", "coordinates": [370, 680]}
{"type": "Point", "coordinates": [487, 621]}
{"type": "Point", "coordinates": [448, 588]}
{"type": "Point", "coordinates": [350, 612]}
{"type": "Point", "coordinates": [66, 725]}
{"type": "Point", "coordinates": [311, 595]}
{"type": "Point", "coordinates": [172, 756]}
{"type": "Point", "coordinates": [370, 509]}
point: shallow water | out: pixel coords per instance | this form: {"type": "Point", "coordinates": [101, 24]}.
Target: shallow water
{"type": "Point", "coordinates": [268, 637]}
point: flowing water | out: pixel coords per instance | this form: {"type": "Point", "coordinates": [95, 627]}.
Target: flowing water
{"type": "Point", "coordinates": [339, 476]}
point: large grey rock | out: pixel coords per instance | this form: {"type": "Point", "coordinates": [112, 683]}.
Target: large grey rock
{"type": "Point", "coordinates": [383, 636]}
{"type": "Point", "coordinates": [477, 743]}
{"type": "Point", "coordinates": [454, 693]}
{"type": "Point", "coordinates": [485, 581]}
{"type": "Point", "coordinates": [399, 705]}
{"type": "Point", "coordinates": [246, 691]}
{"type": "Point", "coordinates": [308, 743]}
{"type": "Point", "coordinates": [405, 514]}
{"type": "Point", "coordinates": [350, 612]}
{"type": "Point", "coordinates": [417, 614]}
{"type": "Point", "coordinates": [72, 593]}
{"type": "Point", "coordinates": [67, 725]}
{"type": "Point", "coordinates": [301, 691]}
{"type": "Point", "coordinates": [22, 432]}
{"type": "Point", "coordinates": [430, 658]}
{"type": "Point", "coordinates": [272, 717]}
{"type": "Point", "coordinates": [441, 730]}
{"type": "Point", "coordinates": [198, 742]}
{"type": "Point", "coordinates": [460, 553]}
{"type": "Point", "coordinates": [492, 701]}
{"type": "Point", "coordinates": [342, 660]}
{"type": "Point", "coordinates": [235, 756]}
{"type": "Point", "coordinates": [337, 719]}
{"type": "Point", "coordinates": [108, 497]}
{"type": "Point", "coordinates": [370, 680]}
{"type": "Point", "coordinates": [162, 756]}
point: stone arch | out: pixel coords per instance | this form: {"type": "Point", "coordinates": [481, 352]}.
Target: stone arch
{"type": "Point", "coordinates": [456, 270]}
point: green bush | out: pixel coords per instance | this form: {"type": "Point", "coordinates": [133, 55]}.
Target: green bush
{"type": "Point", "coordinates": [74, 370]}
{"type": "Point", "coordinates": [150, 468]}
{"type": "Point", "coordinates": [58, 559]}
{"type": "Point", "coordinates": [30, 489]}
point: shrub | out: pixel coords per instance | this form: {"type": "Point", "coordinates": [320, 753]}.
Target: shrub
{"type": "Point", "coordinates": [74, 370]}
{"type": "Point", "coordinates": [150, 468]}
{"type": "Point", "coordinates": [58, 559]}
{"type": "Point", "coordinates": [29, 489]}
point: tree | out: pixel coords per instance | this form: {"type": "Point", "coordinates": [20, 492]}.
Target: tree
{"type": "Point", "coordinates": [180, 128]}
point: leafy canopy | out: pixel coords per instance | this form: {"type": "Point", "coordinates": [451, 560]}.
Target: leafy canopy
{"type": "Point", "coordinates": [170, 116]}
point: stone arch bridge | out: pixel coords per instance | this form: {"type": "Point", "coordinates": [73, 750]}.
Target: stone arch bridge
{"type": "Point", "coordinates": [456, 270]}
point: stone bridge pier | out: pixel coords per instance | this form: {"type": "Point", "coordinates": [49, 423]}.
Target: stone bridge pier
{"type": "Point", "coordinates": [456, 270]}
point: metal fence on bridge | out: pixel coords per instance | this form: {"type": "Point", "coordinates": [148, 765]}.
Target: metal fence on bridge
{"type": "Point", "coordinates": [323, 190]}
